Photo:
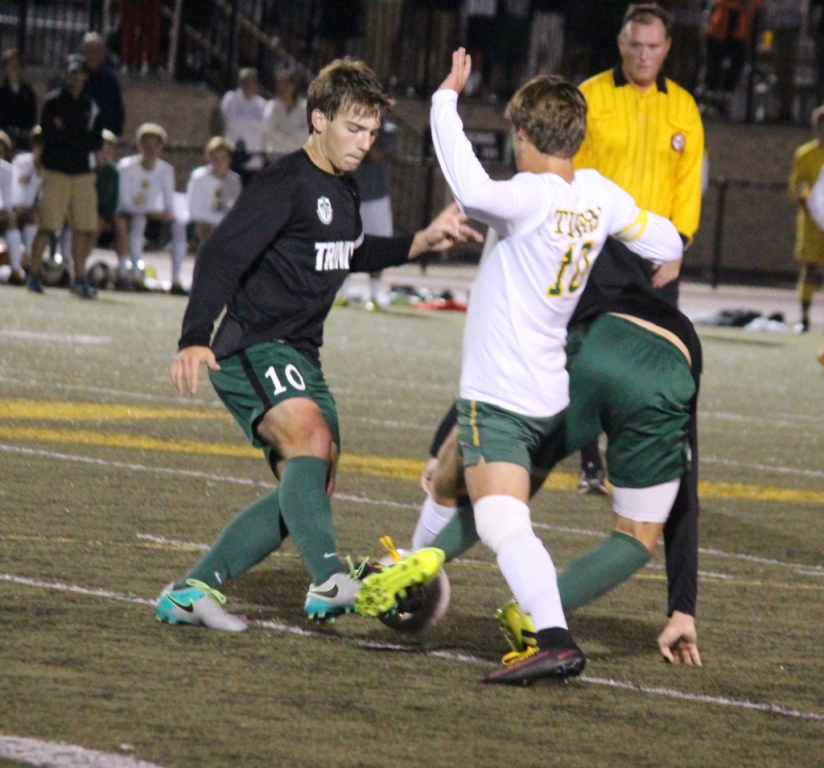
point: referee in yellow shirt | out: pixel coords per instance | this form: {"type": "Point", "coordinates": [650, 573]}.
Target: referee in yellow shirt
{"type": "Point", "coordinates": [644, 132]}
{"type": "Point", "coordinates": [809, 239]}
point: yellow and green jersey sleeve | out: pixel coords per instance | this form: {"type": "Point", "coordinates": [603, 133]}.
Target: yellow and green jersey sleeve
{"type": "Point", "coordinates": [809, 239]}
{"type": "Point", "coordinates": [651, 144]}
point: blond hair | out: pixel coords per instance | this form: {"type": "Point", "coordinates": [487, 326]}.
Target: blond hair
{"type": "Point", "coordinates": [552, 113]}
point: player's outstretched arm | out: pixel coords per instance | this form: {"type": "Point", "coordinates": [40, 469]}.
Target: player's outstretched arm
{"type": "Point", "coordinates": [447, 228]}
{"type": "Point", "coordinates": [679, 640]}
{"type": "Point", "coordinates": [185, 368]}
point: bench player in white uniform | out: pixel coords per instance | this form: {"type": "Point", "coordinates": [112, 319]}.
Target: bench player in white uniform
{"type": "Point", "coordinates": [26, 177]}
{"type": "Point", "coordinates": [212, 188]}
{"type": "Point", "coordinates": [147, 191]}
{"type": "Point", "coordinates": [514, 385]}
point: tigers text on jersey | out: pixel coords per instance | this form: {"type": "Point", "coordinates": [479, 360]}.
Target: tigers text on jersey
{"type": "Point", "coordinates": [279, 257]}
{"type": "Point", "coordinates": [26, 181]}
{"type": "Point", "coordinates": [209, 197]}
{"type": "Point", "coordinates": [528, 286]}
{"type": "Point", "coordinates": [142, 190]}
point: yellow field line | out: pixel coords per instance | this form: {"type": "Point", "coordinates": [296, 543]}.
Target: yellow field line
{"type": "Point", "coordinates": [43, 410]}
{"type": "Point", "coordinates": [378, 466]}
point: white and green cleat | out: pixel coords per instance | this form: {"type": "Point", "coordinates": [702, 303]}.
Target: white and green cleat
{"type": "Point", "coordinates": [517, 626]}
{"type": "Point", "coordinates": [335, 597]}
{"type": "Point", "coordinates": [380, 590]}
{"type": "Point", "coordinates": [199, 604]}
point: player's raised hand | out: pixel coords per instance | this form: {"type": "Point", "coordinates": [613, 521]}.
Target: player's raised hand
{"type": "Point", "coordinates": [461, 69]}
{"type": "Point", "coordinates": [185, 368]}
{"type": "Point", "coordinates": [678, 642]}
{"type": "Point", "coordinates": [447, 228]}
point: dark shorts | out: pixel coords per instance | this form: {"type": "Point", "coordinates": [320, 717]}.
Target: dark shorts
{"type": "Point", "coordinates": [497, 434]}
{"type": "Point", "coordinates": [637, 387]}
{"type": "Point", "coordinates": [255, 380]}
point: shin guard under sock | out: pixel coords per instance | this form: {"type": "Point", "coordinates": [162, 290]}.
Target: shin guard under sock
{"type": "Point", "coordinates": [459, 534]}
{"type": "Point", "coordinates": [601, 569]}
{"type": "Point", "coordinates": [307, 513]}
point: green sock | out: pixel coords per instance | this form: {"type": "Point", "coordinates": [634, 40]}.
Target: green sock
{"type": "Point", "coordinates": [249, 538]}
{"type": "Point", "coordinates": [600, 569]}
{"type": "Point", "coordinates": [307, 513]}
{"type": "Point", "coordinates": [459, 534]}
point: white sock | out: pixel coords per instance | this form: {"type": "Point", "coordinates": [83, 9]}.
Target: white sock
{"type": "Point", "coordinates": [530, 573]}
{"type": "Point", "coordinates": [431, 521]}
{"type": "Point", "coordinates": [136, 232]}
{"type": "Point", "coordinates": [374, 288]}
{"type": "Point", "coordinates": [29, 233]}
{"type": "Point", "coordinates": [15, 243]}
{"type": "Point", "coordinates": [66, 244]}
{"type": "Point", "coordinates": [178, 249]}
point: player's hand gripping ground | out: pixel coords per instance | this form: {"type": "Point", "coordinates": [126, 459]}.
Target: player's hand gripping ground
{"type": "Point", "coordinates": [461, 69]}
{"type": "Point", "coordinates": [446, 229]}
{"type": "Point", "coordinates": [679, 640]}
{"type": "Point", "coordinates": [186, 368]}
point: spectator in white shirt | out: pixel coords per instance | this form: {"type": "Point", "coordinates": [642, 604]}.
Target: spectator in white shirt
{"type": "Point", "coordinates": [244, 122]}
{"type": "Point", "coordinates": [288, 127]}
{"type": "Point", "coordinates": [27, 173]}
{"type": "Point", "coordinates": [147, 191]}
{"type": "Point", "coordinates": [212, 188]}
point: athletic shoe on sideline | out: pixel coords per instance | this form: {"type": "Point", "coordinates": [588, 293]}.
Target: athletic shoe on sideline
{"type": "Point", "coordinates": [197, 604]}
{"type": "Point", "coordinates": [592, 483]}
{"type": "Point", "coordinates": [534, 664]}
{"type": "Point", "coordinates": [17, 278]}
{"type": "Point", "coordinates": [178, 290]}
{"type": "Point", "coordinates": [333, 598]}
{"type": "Point", "coordinates": [35, 286]}
{"type": "Point", "coordinates": [380, 590]}
{"type": "Point", "coordinates": [517, 626]}
{"type": "Point", "coordinates": [83, 289]}
{"type": "Point", "coordinates": [802, 326]}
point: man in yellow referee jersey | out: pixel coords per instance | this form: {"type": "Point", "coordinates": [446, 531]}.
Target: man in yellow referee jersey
{"type": "Point", "coordinates": [809, 239]}
{"type": "Point", "coordinates": [644, 132]}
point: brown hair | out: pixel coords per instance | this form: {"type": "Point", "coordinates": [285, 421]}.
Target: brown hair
{"type": "Point", "coordinates": [552, 113]}
{"type": "Point", "coordinates": [345, 84]}
{"type": "Point", "coordinates": [646, 13]}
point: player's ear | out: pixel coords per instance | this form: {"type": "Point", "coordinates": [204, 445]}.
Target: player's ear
{"type": "Point", "coordinates": [319, 121]}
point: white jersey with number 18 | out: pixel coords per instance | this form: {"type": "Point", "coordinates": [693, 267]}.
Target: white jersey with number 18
{"type": "Point", "coordinates": [551, 232]}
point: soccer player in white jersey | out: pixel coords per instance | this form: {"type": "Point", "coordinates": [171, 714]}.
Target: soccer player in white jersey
{"type": "Point", "coordinates": [147, 190]}
{"type": "Point", "coordinates": [27, 173]}
{"type": "Point", "coordinates": [212, 188]}
{"type": "Point", "coordinates": [552, 223]}
{"type": "Point", "coordinates": [245, 121]}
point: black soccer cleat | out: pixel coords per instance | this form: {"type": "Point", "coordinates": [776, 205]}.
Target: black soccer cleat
{"type": "Point", "coordinates": [555, 663]}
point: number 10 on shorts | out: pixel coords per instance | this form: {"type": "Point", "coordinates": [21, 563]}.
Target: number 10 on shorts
{"type": "Point", "coordinates": [292, 375]}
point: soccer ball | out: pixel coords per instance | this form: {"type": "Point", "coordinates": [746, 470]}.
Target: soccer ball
{"type": "Point", "coordinates": [422, 607]}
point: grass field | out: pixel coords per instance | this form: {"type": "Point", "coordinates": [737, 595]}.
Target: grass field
{"type": "Point", "coordinates": [111, 486]}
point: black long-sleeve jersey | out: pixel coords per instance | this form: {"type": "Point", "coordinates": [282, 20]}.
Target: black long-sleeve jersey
{"type": "Point", "coordinates": [278, 259]}
{"type": "Point", "coordinates": [620, 282]}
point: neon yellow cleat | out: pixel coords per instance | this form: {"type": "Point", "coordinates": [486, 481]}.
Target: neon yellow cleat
{"type": "Point", "coordinates": [517, 626]}
{"type": "Point", "coordinates": [380, 590]}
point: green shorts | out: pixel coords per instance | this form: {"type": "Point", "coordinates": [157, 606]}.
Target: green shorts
{"type": "Point", "coordinates": [497, 434]}
{"type": "Point", "coordinates": [255, 380]}
{"type": "Point", "coordinates": [636, 386]}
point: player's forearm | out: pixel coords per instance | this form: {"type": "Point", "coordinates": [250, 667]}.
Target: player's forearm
{"type": "Point", "coordinates": [376, 253]}
{"type": "Point", "coordinates": [654, 238]}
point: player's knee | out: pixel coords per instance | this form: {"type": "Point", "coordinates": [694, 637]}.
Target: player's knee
{"type": "Point", "coordinates": [500, 520]}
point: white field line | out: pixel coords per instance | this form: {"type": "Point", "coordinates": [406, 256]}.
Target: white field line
{"type": "Point", "coordinates": [762, 467]}
{"type": "Point", "coordinates": [58, 754]}
{"type": "Point", "coordinates": [801, 568]}
{"type": "Point", "coordinates": [62, 338]}
{"type": "Point", "coordinates": [776, 709]}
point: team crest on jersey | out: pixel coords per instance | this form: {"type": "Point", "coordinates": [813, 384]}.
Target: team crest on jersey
{"type": "Point", "coordinates": [324, 210]}
{"type": "Point", "coordinates": [679, 141]}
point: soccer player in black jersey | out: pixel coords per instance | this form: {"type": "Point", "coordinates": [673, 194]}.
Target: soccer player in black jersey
{"type": "Point", "coordinates": [275, 263]}
{"type": "Point", "coordinates": [629, 352]}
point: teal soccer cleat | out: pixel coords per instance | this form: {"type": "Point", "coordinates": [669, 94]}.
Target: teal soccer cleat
{"type": "Point", "coordinates": [197, 604]}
